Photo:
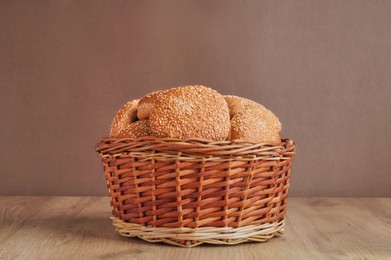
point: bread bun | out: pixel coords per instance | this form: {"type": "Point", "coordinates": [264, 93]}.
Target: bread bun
{"type": "Point", "coordinates": [136, 129]}
{"type": "Point", "coordinates": [251, 121]}
{"type": "Point", "coordinates": [190, 111]}
{"type": "Point", "coordinates": [196, 112]}
{"type": "Point", "coordinates": [126, 115]}
{"type": "Point", "coordinates": [238, 104]}
{"type": "Point", "coordinates": [249, 126]}
{"type": "Point", "coordinates": [146, 104]}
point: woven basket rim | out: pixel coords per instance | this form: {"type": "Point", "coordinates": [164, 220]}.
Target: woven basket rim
{"type": "Point", "coordinates": [195, 147]}
{"type": "Point", "coordinates": [188, 140]}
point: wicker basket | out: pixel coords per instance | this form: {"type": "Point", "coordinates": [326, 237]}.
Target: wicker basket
{"type": "Point", "coordinates": [189, 192]}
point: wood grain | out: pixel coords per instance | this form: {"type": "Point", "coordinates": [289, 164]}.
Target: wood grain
{"type": "Point", "coordinates": [80, 228]}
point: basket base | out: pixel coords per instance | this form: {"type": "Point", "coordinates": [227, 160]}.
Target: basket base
{"type": "Point", "coordinates": [189, 237]}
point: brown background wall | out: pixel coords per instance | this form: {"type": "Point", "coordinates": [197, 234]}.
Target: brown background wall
{"type": "Point", "coordinates": [324, 67]}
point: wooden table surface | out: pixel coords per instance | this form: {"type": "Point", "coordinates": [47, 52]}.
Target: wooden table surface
{"type": "Point", "coordinates": [80, 228]}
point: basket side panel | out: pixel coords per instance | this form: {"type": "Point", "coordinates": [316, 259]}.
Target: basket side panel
{"type": "Point", "coordinates": [278, 204]}
{"type": "Point", "coordinates": [258, 192]}
{"type": "Point", "coordinates": [112, 186]}
{"type": "Point", "coordinates": [210, 205]}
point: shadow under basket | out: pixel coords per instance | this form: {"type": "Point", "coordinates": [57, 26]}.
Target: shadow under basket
{"type": "Point", "coordinates": [194, 191]}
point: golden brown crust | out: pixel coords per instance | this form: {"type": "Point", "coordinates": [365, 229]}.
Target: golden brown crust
{"type": "Point", "coordinates": [251, 121]}
{"type": "Point", "coordinates": [190, 111]}
{"type": "Point", "coordinates": [146, 104]}
{"type": "Point", "coordinates": [136, 129]}
{"type": "Point", "coordinates": [253, 128]}
{"type": "Point", "coordinates": [243, 105]}
{"type": "Point", "coordinates": [126, 115]}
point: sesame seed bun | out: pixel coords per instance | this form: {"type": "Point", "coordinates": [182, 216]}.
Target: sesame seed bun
{"type": "Point", "coordinates": [190, 111]}
{"type": "Point", "coordinates": [136, 129]}
{"type": "Point", "coordinates": [251, 121]}
{"type": "Point", "coordinates": [126, 115]}
{"type": "Point", "coordinates": [146, 104]}
{"type": "Point", "coordinates": [239, 105]}
{"type": "Point", "coordinates": [251, 127]}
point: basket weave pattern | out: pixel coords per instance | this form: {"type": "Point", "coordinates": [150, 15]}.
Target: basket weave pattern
{"type": "Point", "coordinates": [195, 183]}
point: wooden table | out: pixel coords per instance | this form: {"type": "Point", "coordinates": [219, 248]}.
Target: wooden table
{"type": "Point", "coordinates": [80, 228]}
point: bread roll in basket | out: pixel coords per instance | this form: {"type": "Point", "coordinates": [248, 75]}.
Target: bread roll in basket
{"type": "Point", "coordinates": [186, 192]}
